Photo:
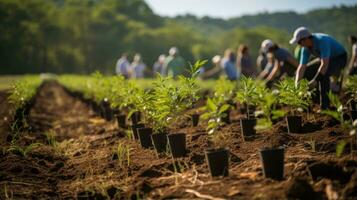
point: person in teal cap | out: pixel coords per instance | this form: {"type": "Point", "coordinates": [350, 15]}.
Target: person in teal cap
{"type": "Point", "coordinates": [332, 55]}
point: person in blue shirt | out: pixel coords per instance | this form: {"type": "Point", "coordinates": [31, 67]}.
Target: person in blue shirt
{"type": "Point", "coordinates": [229, 65]}
{"type": "Point", "coordinates": [332, 55]}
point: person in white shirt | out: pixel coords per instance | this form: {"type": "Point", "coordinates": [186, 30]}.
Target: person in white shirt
{"type": "Point", "coordinates": [123, 66]}
{"type": "Point", "coordinates": [138, 67]}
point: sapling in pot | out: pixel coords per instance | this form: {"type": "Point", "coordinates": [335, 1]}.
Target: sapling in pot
{"type": "Point", "coordinates": [154, 118]}
{"type": "Point", "coordinates": [223, 92]}
{"type": "Point", "coordinates": [144, 101]}
{"type": "Point", "coordinates": [102, 90]}
{"type": "Point", "coordinates": [297, 98]}
{"type": "Point", "coordinates": [218, 156]}
{"type": "Point", "coordinates": [171, 100]}
{"type": "Point", "coordinates": [116, 98]}
{"type": "Point", "coordinates": [346, 124]}
{"type": "Point", "coordinates": [272, 158]}
{"type": "Point", "coordinates": [248, 95]}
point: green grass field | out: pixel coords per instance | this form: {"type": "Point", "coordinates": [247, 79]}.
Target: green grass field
{"type": "Point", "coordinates": [6, 81]}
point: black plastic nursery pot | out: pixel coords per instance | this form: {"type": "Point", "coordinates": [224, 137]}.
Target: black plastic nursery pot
{"type": "Point", "coordinates": [159, 140]}
{"type": "Point", "coordinates": [247, 127]}
{"type": "Point", "coordinates": [106, 111]}
{"type": "Point", "coordinates": [95, 107]}
{"type": "Point", "coordinates": [134, 128]}
{"type": "Point", "coordinates": [218, 161]}
{"type": "Point", "coordinates": [226, 119]}
{"type": "Point", "coordinates": [145, 137]}
{"type": "Point", "coordinates": [177, 144]}
{"type": "Point", "coordinates": [135, 117]}
{"type": "Point", "coordinates": [294, 124]}
{"type": "Point", "coordinates": [272, 160]}
{"type": "Point", "coordinates": [121, 121]}
{"type": "Point", "coordinates": [195, 119]}
{"type": "Point", "coordinates": [354, 114]}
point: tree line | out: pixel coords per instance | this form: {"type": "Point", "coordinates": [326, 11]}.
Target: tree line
{"type": "Point", "coordinates": [71, 36]}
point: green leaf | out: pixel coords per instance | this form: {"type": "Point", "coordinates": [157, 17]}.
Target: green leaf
{"type": "Point", "coordinates": [340, 148]}
{"type": "Point", "coordinates": [224, 108]}
{"type": "Point", "coordinates": [332, 113]}
{"type": "Point", "coordinates": [211, 104]}
{"type": "Point", "coordinates": [276, 114]}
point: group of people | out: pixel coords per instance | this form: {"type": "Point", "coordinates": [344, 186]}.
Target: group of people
{"type": "Point", "coordinates": [318, 58]}
{"type": "Point", "coordinates": [165, 65]}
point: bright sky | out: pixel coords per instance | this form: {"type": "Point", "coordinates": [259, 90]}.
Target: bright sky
{"type": "Point", "coordinates": [236, 8]}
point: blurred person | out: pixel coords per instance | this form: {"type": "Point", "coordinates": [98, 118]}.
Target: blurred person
{"type": "Point", "coordinates": [261, 60]}
{"type": "Point", "coordinates": [216, 70]}
{"type": "Point", "coordinates": [244, 62]}
{"type": "Point", "coordinates": [159, 65]}
{"type": "Point", "coordinates": [332, 56]}
{"type": "Point", "coordinates": [137, 67]}
{"type": "Point", "coordinates": [229, 66]}
{"type": "Point", "coordinates": [352, 66]}
{"type": "Point", "coordinates": [123, 66]}
{"type": "Point", "coordinates": [282, 63]}
{"type": "Point", "coordinates": [174, 64]}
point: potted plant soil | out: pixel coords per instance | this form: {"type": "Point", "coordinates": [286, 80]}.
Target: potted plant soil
{"type": "Point", "coordinates": [248, 95]}
{"type": "Point", "coordinates": [217, 156]}
{"type": "Point", "coordinates": [298, 98]}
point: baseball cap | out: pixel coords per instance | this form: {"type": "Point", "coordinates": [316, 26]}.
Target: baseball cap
{"type": "Point", "coordinates": [266, 45]}
{"type": "Point", "coordinates": [173, 51]}
{"type": "Point", "coordinates": [300, 33]}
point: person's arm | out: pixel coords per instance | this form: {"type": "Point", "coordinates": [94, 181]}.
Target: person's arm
{"type": "Point", "coordinates": [299, 73]}
{"type": "Point", "coordinates": [212, 71]}
{"type": "Point", "coordinates": [304, 58]}
{"type": "Point", "coordinates": [322, 70]}
{"type": "Point", "coordinates": [274, 70]}
{"type": "Point", "coordinates": [264, 73]}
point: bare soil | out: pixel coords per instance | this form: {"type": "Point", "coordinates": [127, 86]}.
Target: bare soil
{"type": "Point", "coordinates": [81, 162]}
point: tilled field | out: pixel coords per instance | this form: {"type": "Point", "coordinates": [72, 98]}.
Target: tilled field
{"type": "Point", "coordinates": [80, 162]}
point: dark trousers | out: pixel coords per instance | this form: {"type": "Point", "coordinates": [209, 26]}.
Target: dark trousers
{"type": "Point", "coordinates": [336, 66]}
